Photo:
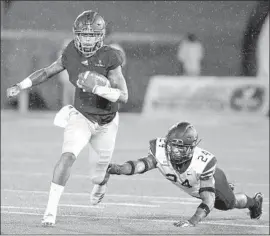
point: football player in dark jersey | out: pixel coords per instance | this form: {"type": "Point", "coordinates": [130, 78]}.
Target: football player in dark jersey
{"type": "Point", "coordinates": [94, 116]}
{"type": "Point", "coordinates": [192, 169]}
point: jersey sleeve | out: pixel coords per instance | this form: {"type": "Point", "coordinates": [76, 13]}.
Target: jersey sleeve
{"type": "Point", "coordinates": [116, 59]}
{"type": "Point", "coordinates": [65, 53]}
{"type": "Point", "coordinates": [209, 169]}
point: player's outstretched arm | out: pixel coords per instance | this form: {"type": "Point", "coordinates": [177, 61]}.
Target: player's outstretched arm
{"type": "Point", "coordinates": [37, 77]}
{"type": "Point", "coordinates": [207, 194]}
{"type": "Point", "coordinates": [118, 91]}
{"type": "Point", "coordinates": [133, 167]}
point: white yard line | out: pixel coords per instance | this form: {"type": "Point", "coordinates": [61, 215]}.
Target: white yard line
{"type": "Point", "coordinates": [107, 195]}
{"type": "Point", "coordinates": [122, 178]}
{"type": "Point", "coordinates": [158, 199]}
{"type": "Point", "coordinates": [101, 205]}
{"type": "Point", "coordinates": [141, 219]}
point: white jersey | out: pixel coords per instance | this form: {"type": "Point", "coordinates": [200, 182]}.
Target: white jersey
{"type": "Point", "coordinates": [202, 166]}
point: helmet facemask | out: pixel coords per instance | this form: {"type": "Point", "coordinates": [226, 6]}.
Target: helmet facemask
{"type": "Point", "coordinates": [89, 32]}
{"type": "Point", "coordinates": [88, 43]}
{"type": "Point", "coordinates": [179, 150]}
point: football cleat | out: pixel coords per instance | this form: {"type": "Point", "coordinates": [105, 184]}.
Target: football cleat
{"type": "Point", "coordinates": [255, 211]}
{"type": "Point", "coordinates": [98, 193]}
{"type": "Point", "coordinates": [48, 220]}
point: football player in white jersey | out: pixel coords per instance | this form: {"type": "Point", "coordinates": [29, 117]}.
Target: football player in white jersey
{"type": "Point", "coordinates": [194, 170]}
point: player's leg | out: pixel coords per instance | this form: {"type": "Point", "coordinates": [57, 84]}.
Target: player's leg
{"type": "Point", "coordinates": [76, 135]}
{"type": "Point", "coordinates": [103, 143]}
{"type": "Point", "coordinates": [227, 200]}
{"type": "Point", "coordinates": [253, 204]}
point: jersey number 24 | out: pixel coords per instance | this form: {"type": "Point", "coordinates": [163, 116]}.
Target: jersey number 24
{"type": "Point", "coordinates": [173, 178]}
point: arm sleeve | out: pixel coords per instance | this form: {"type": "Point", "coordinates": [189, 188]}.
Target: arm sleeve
{"type": "Point", "coordinates": [139, 166]}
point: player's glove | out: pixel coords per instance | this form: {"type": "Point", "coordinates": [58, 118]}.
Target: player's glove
{"type": "Point", "coordinates": [13, 91]}
{"type": "Point", "coordinates": [183, 224]}
{"type": "Point", "coordinates": [89, 79]}
{"type": "Point", "coordinates": [114, 169]}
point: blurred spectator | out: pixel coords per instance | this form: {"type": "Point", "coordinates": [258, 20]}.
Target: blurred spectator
{"type": "Point", "coordinates": [68, 90]}
{"type": "Point", "coordinates": [190, 53]}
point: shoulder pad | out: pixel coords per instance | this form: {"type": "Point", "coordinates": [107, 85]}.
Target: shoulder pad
{"type": "Point", "coordinates": [68, 51]}
{"type": "Point", "coordinates": [116, 56]}
{"type": "Point", "coordinates": [69, 46]}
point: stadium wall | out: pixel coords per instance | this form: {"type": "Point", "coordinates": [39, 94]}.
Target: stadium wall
{"type": "Point", "coordinates": [219, 25]}
{"type": "Point", "coordinates": [175, 95]}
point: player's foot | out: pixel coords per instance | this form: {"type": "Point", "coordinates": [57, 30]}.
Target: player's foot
{"type": "Point", "coordinates": [256, 211]}
{"type": "Point", "coordinates": [48, 220]}
{"type": "Point", "coordinates": [99, 190]}
{"type": "Point", "coordinates": [98, 193]}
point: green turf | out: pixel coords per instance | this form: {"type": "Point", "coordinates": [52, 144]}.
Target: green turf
{"type": "Point", "coordinates": [143, 204]}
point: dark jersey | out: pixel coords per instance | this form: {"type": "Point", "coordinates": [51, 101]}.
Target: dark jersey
{"type": "Point", "coordinates": [92, 106]}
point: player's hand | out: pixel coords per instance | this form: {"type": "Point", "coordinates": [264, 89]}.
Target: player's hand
{"type": "Point", "coordinates": [183, 224]}
{"type": "Point", "coordinates": [84, 83]}
{"type": "Point", "coordinates": [114, 169]}
{"type": "Point", "coordinates": [13, 91]}
{"type": "Point", "coordinates": [89, 79]}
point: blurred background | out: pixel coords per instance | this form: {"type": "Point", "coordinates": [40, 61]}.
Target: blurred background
{"type": "Point", "coordinates": [206, 62]}
{"type": "Point", "coordinates": [180, 40]}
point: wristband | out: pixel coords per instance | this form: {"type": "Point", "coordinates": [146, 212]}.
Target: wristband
{"type": "Point", "coordinates": [132, 167]}
{"type": "Point", "coordinates": [110, 94]}
{"type": "Point", "coordinates": [205, 208]}
{"type": "Point", "coordinates": [26, 83]}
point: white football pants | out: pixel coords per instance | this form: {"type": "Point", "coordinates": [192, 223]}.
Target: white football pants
{"type": "Point", "coordinates": [79, 131]}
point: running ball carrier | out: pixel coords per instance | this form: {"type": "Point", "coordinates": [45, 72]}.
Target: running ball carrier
{"type": "Point", "coordinates": [87, 53]}
{"type": "Point", "coordinates": [95, 71]}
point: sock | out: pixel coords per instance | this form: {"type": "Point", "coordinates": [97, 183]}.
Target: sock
{"type": "Point", "coordinates": [54, 197]}
{"type": "Point", "coordinates": [250, 202]}
{"type": "Point", "coordinates": [243, 201]}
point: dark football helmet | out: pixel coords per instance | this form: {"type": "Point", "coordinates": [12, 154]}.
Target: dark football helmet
{"type": "Point", "coordinates": [180, 142]}
{"type": "Point", "coordinates": [89, 32]}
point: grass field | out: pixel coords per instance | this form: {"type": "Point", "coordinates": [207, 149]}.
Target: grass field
{"type": "Point", "coordinates": [142, 204]}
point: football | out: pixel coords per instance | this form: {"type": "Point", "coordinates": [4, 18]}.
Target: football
{"type": "Point", "coordinates": [98, 78]}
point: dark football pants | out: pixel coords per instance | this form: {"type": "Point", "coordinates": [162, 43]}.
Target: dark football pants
{"type": "Point", "coordinates": [225, 199]}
